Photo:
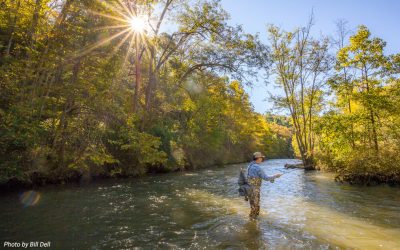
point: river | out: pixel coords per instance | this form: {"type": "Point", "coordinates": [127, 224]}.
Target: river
{"type": "Point", "coordinates": [202, 210]}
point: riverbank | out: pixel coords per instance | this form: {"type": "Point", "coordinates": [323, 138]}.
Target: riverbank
{"type": "Point", "coordinates": [369, 179]}
{"type": "Point", "coordinates": [38, 179]}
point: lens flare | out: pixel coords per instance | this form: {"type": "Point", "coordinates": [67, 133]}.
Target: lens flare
{"type": "Point", "coordinates": [126, 22]}
{"type": "Point", "coordinates": [138, 24]}
{"type": "Point", "coordinates": [29, 198]}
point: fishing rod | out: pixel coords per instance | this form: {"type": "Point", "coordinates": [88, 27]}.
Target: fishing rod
{"type": "Point", "coordinates": [283, 173]}
{"type": "Point", "coordinates": [287, 172]}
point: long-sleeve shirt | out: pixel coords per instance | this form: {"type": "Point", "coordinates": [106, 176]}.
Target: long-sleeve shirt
{"type": "Point", "coordinates": [254, 171]}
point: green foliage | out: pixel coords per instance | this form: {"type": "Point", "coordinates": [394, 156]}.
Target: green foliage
{"type": "Point", "coordinates": [356, 133]}
{"type": "Point", "coordinates": [359, 137]}
{"type": "Point", "coordinates": [66, 107]}
{"type": "Point", "coordinates": [17, 136]}
{"type": "Point", "coordinates": [137, 150]}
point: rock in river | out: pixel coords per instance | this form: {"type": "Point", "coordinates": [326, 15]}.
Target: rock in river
{"type": "Point", "coordinates": [297, 165]}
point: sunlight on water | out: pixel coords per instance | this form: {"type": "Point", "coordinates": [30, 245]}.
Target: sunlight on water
{"type": "Point", "coordinates": [336, 228]}
{"type": "Point", "coordinates": [209, 200]}
{"type": "Point", "coordinates": [191, 174]}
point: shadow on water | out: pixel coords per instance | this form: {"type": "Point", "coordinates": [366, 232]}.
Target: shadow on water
{"type": "Point", "coordinates": [201, 209]}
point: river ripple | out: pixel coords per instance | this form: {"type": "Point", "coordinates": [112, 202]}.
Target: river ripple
{"type": "Point", "coordinates": [201, 210]}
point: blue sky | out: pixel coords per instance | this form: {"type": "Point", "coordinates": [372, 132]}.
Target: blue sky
{"type": "Point", "coordinates": [381, 17]}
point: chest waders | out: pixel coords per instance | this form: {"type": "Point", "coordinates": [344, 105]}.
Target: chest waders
{"type": "Point", "coordinates": [254, 198]}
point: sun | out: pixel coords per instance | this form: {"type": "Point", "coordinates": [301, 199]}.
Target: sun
{"type": "Point", "coordinates": [129, 24]}
{"type": "Point", "coordinates": [137, 24]}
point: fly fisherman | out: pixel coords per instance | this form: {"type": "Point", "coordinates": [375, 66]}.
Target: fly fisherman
{"type": "Point", "coordinates": [255, 175]}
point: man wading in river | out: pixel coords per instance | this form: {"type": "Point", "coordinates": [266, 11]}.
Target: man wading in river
{"type": "Point", "coordinates": [255, 175]}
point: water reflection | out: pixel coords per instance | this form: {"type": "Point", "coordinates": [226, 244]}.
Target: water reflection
{"type": "Point", "coordinates": [252, 235]}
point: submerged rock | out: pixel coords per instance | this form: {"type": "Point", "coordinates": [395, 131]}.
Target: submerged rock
{"type": "Point", "coordinates": [297, 165]}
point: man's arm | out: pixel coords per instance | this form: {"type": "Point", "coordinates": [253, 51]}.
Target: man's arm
{"type": "Point", "coordinates": [266, 177]}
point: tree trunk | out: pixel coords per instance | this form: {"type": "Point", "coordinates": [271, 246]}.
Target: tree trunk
{"type": "Point", "coordinates": [14, 23]}
{"type": "Point", "coordinates": [149, 88]}
{"type": "Point", "coordinates": [41, 68]}
{"type": "Point", "coordinates": [60, 144]}
{"type": "Point", "coordinates": [35, 19]}
{"type": "Point", "coordinates": [374, 134]}
{"type": "Point", "coordinates": [371, 113]}
{"type": "Point", "coordinates": [136, 95]}
{"type": "Point", "coordinates": [309, 163]}
{"type": "Point", "coordinates": [353, 145]}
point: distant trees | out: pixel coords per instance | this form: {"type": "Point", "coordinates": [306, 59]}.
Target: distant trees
{"type": "Point", "coordinates": [279, 145]}
{"type": "Point", "coordinates": [301, 65]}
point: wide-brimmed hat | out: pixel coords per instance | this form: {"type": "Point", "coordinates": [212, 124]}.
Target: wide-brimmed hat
{"type": "Point", "coordinates": [258, 155]}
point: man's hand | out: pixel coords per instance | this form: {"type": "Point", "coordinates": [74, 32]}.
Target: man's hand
{"type": "Point", "coordinates": [275, 176]}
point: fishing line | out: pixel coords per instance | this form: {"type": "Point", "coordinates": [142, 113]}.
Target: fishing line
{"type": "Point", "coordinates": [287, 172]}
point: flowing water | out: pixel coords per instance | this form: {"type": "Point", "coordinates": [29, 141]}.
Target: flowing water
{"type": "Point", "coordinates": [202, 210]}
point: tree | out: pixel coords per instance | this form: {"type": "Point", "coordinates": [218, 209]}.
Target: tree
{"type": "Point", "coordinates": [365, 56]}
{"type": "Point", "coordinates": [301, 65]}
{"type": "Point", "coordinates": [342, 81]}
{"type": "Point", "coordinates": [67, 89]}
{"type": "Point", "coordinates": [358, 135]}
